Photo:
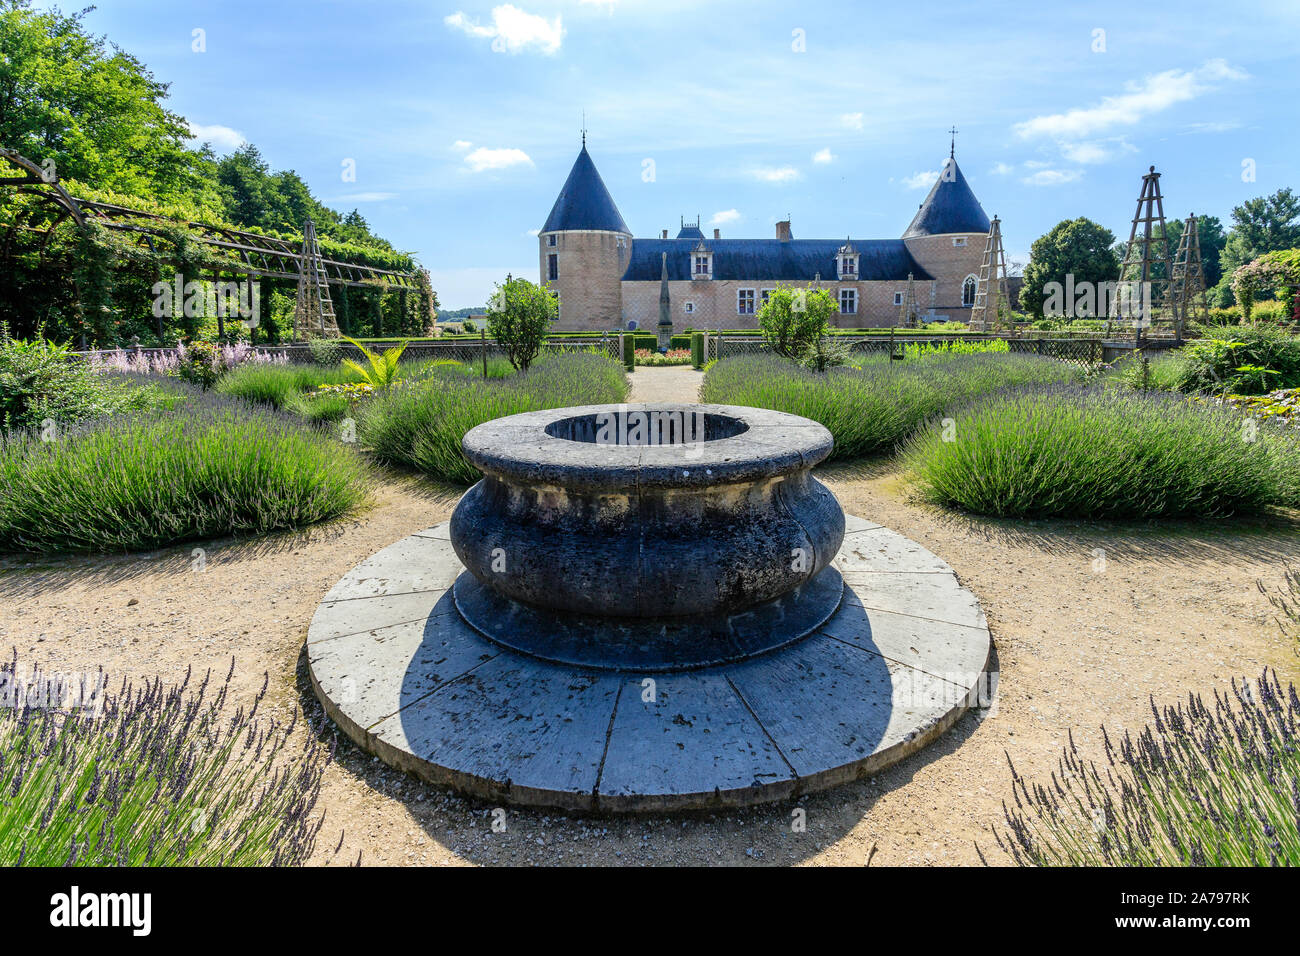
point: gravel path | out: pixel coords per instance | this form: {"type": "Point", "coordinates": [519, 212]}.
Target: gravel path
{"type": "Point", "coordinates": [1174, 609]}
{"type": "Point", "coordinates": [669, 383]}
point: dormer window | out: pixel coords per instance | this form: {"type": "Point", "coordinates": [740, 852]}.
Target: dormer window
{"type": "Point", "coordinates": [701, 262]}
{"type": "Point", "coordinates": [846, 261]}
{"type": "Point", "coordinates": [550, 240]}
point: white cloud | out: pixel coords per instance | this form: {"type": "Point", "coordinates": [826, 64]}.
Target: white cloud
{"type": "Point", "coordinates": [512, 30]}
{"type": "Point", "coordinates": [823, 156]}
{"type": "Point", "coordinates": [1052, 177]}
{"type": "Point", "coordinates": [483, 159]}
{"type": "Point", "coordinates": [222, 137]}
{"type": "Point", "coordinates": [533, 232]}
{"type": "Point", "coordinates": [922, 180]}
{"type": "Point", "coordinates": [461, 145]}
{"type": "Point", "coordinates": [364, 197]}
{"type": "Point", "coordinates": [1085, 152]}
{"type": "Point", "coordinates": [1152, 94]}
{"type": "Point", "coordinates": [1212, 127]}
{"type": "Point", "coordinates": [724, 217]}
{"type": "Point", "coordinates": [851, 120]}
{"type": "Point", "coordinates": [1002, 169]}
{"type": "Point", "coordinates": [776, 174]}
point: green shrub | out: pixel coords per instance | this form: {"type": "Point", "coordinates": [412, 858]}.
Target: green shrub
{"type": "Point", "coordinates": [697, 349]}
{"type": "Point", "coordinates": [1103, 453]}
{"type": "Point", "coordinates": [40, 380]}
{"type": "Point", "coordinates": [872, 408]}
{"type": "Point", "coordinates": [468, 327]}
{"type": "Point", "coordinates": [421, 424]}
{"type": "Point", "coordinates": [519, 316]}
{"type": "Point", "coordinates": [793, 319]}
{"type": "Point", "coordinates": [1230, 360]}
{"type": "Point", "coordinates": [156, 480]}
{"type": "Point", "coordinates": [1204, 785]}
{"type": "Point", "coordinates": [629, 352]}
{"type": "Point", "coordinates": [151, 776]}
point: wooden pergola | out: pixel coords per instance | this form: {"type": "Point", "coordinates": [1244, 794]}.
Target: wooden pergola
{"type": "Point", "coordinates": [250, 253]}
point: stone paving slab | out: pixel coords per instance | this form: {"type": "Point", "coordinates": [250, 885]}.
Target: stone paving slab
{"type": "Point", "coordinates": [891, 669]}
{"type": "Point", "coordinates": [882, 550]}
{"type": "Point", "coordinates": [938, 597]}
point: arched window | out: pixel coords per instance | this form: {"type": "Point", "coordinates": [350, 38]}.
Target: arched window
{"type": "Point", "coordinates": [968, 291]}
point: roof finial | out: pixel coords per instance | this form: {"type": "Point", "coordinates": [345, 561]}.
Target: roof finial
{"type": "Point", "coordinates": [952, 146]}
{"type": "Point", "coordinates": [584, 129]}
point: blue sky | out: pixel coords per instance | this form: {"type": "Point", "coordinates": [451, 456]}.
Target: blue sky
{"type": "Point", "coordinates": [463, 118]}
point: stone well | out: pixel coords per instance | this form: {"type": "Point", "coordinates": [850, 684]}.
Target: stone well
{"type": "Point", "coordinates": [646, 607]}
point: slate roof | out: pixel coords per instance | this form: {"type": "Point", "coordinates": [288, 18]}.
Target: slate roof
{"type": "Point", "coordinates": [950, 207]}
{"type": "Point", "coordinates": [798, 260]}
{"type": "Point", "coordinates": [690, 232]}
{"type": "Point", "coordinates": [584, 202]}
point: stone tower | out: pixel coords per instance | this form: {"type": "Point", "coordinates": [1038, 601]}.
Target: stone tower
{"type": "Point", "coordinates": [584, 248]}
{"type": "Point", "coordinates": [947, 237]}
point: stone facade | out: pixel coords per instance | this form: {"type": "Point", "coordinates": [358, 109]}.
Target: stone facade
{"type": "Point", "coordinates": [606, 279]}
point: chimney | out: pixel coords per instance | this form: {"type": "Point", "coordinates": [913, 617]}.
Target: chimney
{"type": "Point", "coordinates": [783, 230]}
{"type": "Point", "coordinates": [717, 233]}
{"type": "Point", "coordinates": [664, 235]}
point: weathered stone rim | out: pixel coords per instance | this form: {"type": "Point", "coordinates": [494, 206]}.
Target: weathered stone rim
{"type": "Point", "coordinates": [518, 449]}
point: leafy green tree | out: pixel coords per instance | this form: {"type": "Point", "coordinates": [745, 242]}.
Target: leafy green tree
{"type": "Point", "coordinates": [519, 315]}
{"type": "Point", "coordinates": [1078, 247]}
{"type": "Point", "coordinates": [792, 320]}
{"type": "Point", "coordinates": [1260, 225]}
{"type": "Point", "coordinates": [94, 111]}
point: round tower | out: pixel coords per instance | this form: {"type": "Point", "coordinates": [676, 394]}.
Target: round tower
{"type": "Point", "coordinates": [584, 248]}
{"type": "Point", "coordinates": [947, 238]}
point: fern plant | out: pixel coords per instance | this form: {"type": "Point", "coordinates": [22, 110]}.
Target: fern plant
{"type": "Point", "coordinates": [383, 368]}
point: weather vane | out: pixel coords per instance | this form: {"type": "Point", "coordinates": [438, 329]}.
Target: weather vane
{"type": "Point", "coordinates": [952, 148]}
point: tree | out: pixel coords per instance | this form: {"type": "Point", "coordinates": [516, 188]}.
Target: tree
{"type": "Point", "coordinates": [1261, 225]}
{"type": "Point", "coordinates": [1077, 247]}
{"type": "Point", "coordinates": [96, 112]}
{"type": "Point", "coordinates": [793, 319]}
{"type": "Point", "coordinates": [519, 315]}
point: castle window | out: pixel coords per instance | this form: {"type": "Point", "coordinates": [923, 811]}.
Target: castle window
{"type": "Point", "coordinates": [744, 301]}
{"type": "Point", "coordinates": [689, 308]}
{"type": "Point", "coordinates": [848, 301]}
{"type": "Point", "coordinates": [968, 291]}
{"type": "Point", "coordinates": [765, 295]}
{"type": "Point", "coordinates": [702, 266]}
{"type": "Point", "coordinates": [959, 241]}
{"type": "Point", "coordinates": [550, 240]}
{"type": "Point", "coordinates": [552, 267]}
{"type": "Point", "coordinates": [898, 298]}
{"type": "Point", "coordinates": [848, 266]}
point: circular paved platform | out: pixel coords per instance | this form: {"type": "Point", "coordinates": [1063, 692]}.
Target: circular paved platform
{"type": "Point", "coordinates": [400, 671]}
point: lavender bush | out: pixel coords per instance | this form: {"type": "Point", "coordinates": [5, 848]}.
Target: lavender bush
{"type": "Point", "coordinates": [151, 775]}
{"type": "Point", "coordinates": [169, 361]}
{"type": "Point", "coordinates": [1203, 785]}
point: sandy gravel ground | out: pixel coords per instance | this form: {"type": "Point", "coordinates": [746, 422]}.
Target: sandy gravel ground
{"type": "Point", "coordinates": [1175, 609]}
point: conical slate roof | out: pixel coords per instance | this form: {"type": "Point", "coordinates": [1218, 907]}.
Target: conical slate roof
{"type": "Point", "coordinates": [950, 207]}
{"type": "Point", "coordinates": [584, 202]}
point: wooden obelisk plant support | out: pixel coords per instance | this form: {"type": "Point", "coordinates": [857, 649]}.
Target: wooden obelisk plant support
{"type": "Point", "coordinates": [313, 312]}
{"type": "Point", "coordinates": [1148, 247]}
{"type": "Point", "coordinates": [992, 278]}
{"type": "Point", "coordinates": [1189, 274]}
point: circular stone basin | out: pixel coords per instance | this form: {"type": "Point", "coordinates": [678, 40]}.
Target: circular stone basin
{"type": "Point", "coordinates": [665, 519]}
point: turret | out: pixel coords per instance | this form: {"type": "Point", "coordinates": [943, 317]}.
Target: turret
{"type": "Point", "coordinates": [947, 237]}
{"type": "Point", "coordinates": [584, 248]}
